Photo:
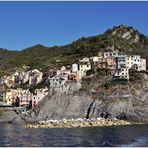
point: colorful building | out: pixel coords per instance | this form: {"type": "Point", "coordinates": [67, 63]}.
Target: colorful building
{"type": "Point", "coordinates": [84, 65]}
{"type": "Point", "coordinates": [121, 60]}
{"type": "Point", "coordinates": [111, 63]}
{"type": "Point", "coordinates": [142, 64]}
{"type": "Point", "coordinates": [38, 95]}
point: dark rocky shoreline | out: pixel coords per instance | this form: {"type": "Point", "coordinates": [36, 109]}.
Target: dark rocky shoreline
{"type": "Point", "coordinates": [12, 117]}
{"type": "Point", "coordinates": [128, 102]}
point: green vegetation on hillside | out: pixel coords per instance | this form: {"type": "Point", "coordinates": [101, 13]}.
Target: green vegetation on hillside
{"type": "Point", "coordinates": [46, 57]}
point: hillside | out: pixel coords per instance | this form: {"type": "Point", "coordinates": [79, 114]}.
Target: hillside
{"type": "Point", "coordinates": [127, 101]}
{"type": "Point", "coordinates": [122, 38]}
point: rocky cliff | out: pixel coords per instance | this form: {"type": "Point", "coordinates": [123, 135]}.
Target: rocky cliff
{"type": "Point", "coordinates": [123, 100]}
{"type": "Point", "coordinates": [11, 115]}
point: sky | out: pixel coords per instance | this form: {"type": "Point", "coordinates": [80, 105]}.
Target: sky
{"type": "Point", "coordinates": [25, 24]}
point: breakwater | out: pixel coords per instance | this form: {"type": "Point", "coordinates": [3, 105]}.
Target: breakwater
{"type": "Point", "coordinates": [71, 123]}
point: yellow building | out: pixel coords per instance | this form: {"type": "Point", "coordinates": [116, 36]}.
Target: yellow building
{"type": "Point", "coordinates": [10, 96]}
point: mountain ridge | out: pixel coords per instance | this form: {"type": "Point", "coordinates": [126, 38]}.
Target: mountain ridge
{"type": "Point", "coordinates": [123, 38]}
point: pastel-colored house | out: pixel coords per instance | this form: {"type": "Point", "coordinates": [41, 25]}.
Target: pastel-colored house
{"type": "Point", "coordinates": [111, 62]}
{"type": "Point", "coordinates": [121, 60]}
{"type": "Point", "coordinates": [38, 95]}
{"type": "Point", "coordinates": [142, 64]}
{"type": "Point", "coordinates": [84, 65]}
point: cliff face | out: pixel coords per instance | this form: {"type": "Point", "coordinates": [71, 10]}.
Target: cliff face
{"type": "Point", "coordinates": [124, 101]}
{"type": "Point", "coordinates": [11, 115]}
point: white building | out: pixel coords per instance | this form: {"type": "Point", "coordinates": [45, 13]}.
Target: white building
{"type": "Point", "coordinates": [133, 62]}
{"type": "Point", "coordinates": [25, 96]}
{"type": "Point", "coordinates": [122, 73]}
{"type": "Point", "coordinates": [95, 59]}
{"type": "Point", "coordinates": [110, 54]}
{"type": "Point", "coordinates": [75, 67]}
{"type": "Point", "coordinates": [84, 65]}
{"type": "Point", "coordinates": [56, 81]}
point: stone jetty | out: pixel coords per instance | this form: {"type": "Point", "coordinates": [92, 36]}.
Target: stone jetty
{"type": "Point", "coordinates": [71, 123]}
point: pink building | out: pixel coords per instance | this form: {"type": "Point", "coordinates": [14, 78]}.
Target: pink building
{"type": "Point", "coordinates": [111, 62]}
{"type": "Point", "coordinates": [38, 95]}
{"type": "Point", "coordinates": [142, 64]}
{"type": "Point", "coordinates": [63, 73]}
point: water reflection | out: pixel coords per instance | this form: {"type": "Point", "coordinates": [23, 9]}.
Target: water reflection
{"type": "Point", "coordinates": [13, 135]}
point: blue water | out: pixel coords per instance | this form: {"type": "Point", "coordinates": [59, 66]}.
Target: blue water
{"type": "Point", "coordinates": [13, 135]}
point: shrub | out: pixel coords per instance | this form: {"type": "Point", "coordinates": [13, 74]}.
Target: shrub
{"type": "Point", "coordinates": [103, 71]}
{"type": "Point", "coordinates": [135, 76]}
{"type": "Point", "coordinates": [90, 72]}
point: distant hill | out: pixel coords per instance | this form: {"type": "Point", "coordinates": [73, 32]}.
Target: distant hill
{"type": "Point", "coordinates": [122, 38]}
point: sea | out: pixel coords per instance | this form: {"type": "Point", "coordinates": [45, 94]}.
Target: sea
{"type": "Point", "coordinates": [120, 136]}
